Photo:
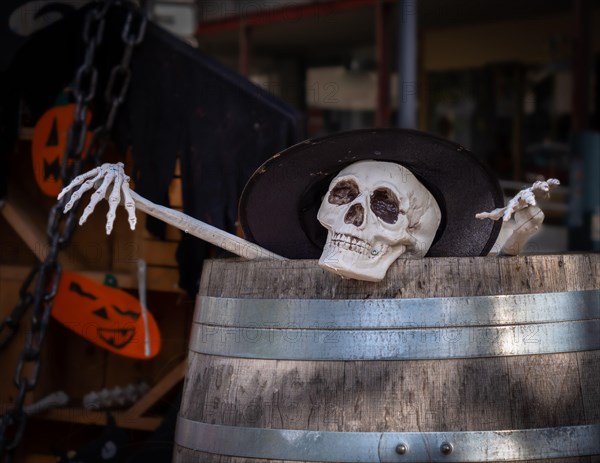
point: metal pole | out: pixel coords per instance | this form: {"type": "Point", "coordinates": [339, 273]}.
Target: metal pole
{"type": "Point", "coordinates": [407, 64]}
{"type": "Point", "coordinates": [581, 64]}
{"type": "Point", "coordinates": [382, 35]}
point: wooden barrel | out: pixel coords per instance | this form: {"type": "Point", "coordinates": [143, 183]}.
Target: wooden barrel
{"type": "Point", "coordinates": [447, 359]}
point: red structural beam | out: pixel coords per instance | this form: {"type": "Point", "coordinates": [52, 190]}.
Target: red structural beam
{"type": "Point", "coordinates": [280, 15]}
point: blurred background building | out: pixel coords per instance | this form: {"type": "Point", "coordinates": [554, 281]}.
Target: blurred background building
{"type": "Point", "coordinates": [514, 81]}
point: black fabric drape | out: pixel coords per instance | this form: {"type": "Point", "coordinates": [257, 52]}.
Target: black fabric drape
{"type": "Point", "coordinates": [222, 126]}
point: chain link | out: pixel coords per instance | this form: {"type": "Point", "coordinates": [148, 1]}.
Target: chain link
{"type": "Point", "coordinates": [46, 276]}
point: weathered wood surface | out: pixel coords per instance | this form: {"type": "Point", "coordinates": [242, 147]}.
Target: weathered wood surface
{"type": "Point", "coordinates": [424, 395]}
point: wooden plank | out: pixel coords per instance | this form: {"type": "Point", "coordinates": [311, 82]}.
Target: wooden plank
{"type": "Point", "coordinates": [405, 278]}
{"type": "Point", "coordinates": [88, 247]}
{"type": "Point", "coordinates": [158, 252]}
{"type": "Point", "coordinates": [544, 392]}
{"type": "Point", "coordinates": [477, 277]}
{"type": "Point", "coordinates": [171, 233]}
{"type": "Point", "coordinates": [579, 273]}
{"type": "Point", "coordinates": [440, 270]}
{"type": "Point", "coordinates": [20, 272]}
{"type": "Point", "coordinates": [39, 458]}
{"type": "Point", "coordinates": [13, 273]}
{"type": "Point", "coordinates": [590, 384]}
{"type": "Point", "coordinates": [163, 279]}
{"type": "Point", "coordinates": [175, 197]}
{"type": "Point", "coordinates": [166, 383]}
{"type": "Point", "coordinates": [9, 296]}
{"type": "Point", "coordinates": [12, 248]}
{"type": "Point", "coordinates": [31, 234]}
{"type": "Point", "coordinates": [81, 368]}
{"type": "Point", "coordinates": [82, 416]}
{"type": "Point", "coordinates": [26, 133]}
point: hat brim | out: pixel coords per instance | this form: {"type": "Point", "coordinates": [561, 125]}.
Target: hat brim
{"type": "Point", "coordinates": [279, 205]}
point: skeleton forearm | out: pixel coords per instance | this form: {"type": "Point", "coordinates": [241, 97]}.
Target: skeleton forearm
{"type": "Point", "coordinates": [113, 174]}
{"type": "Point", "coordinates": [204, 231]}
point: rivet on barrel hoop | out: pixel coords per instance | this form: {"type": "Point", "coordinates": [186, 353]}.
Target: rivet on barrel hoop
{"type": "Point", "coordinates": [401, 449]}
{"type": "Point", "coordinates": [446, 448]}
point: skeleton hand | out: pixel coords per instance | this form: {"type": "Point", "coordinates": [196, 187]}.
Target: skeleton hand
{"type": "Point", "coordinates": [522, 200]}
{"type": "Point", "coordinates": [103, 176]}
{"type": "Point", "coordinates": [528, 217]}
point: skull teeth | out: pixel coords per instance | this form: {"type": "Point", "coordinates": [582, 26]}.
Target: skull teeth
{"type": "Point", "coordinates": [351, 243]}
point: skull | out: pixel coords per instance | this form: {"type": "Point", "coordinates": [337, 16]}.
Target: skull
{"type": "Point", "coordinates": [375, 212]}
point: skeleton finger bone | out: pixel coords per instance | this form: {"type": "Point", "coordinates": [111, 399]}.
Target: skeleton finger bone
{"type": "Point", "coordinates": [76, 196]}
{"type": "Point", "coordinates": [129, 203]}
{"type": "Point", "coordinates": [493, 215]}
{"type": "Point", "coordinates": [528, 197]}
{"type": "Point", "coordinates": [98, 195]}
{"type": "Point", "coordinates": [113, 203]}
{"type": "Point", "coordinates": [78, 181]}
{"type": "Point", "coordinates": [542, 189]}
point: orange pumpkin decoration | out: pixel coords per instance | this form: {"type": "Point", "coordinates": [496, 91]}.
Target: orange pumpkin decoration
{"type": "Point", "coordinates": [48, 146]}
{"type": "Point", "coordinates": [108, 317]}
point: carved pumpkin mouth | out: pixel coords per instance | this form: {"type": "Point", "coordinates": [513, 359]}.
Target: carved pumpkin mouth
{"type": "Point", "coordinates": [118, 338]}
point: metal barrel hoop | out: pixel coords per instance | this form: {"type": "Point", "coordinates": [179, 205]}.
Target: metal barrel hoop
{"type": "Point", "coordinates": [439, 328]}
{"type": "Point", "coordinates": [409, 447]}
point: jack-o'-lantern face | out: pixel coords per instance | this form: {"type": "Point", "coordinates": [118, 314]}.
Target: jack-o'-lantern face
{"type": "Point", "coordinates": [48, 146]}
{"type": "Point", "coordinates": [108, 317]}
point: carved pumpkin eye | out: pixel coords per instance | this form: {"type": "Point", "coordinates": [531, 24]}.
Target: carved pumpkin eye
{"type": "Point", "coordinates": [48, 146]}
{"type": "Point", "coordinates": [344, 192]}
{"type": "Point", "coordinates": [101, 312]}
{"type": "Point", "coordinates": [385, 205]}
{"type": "Point", "coordinates": [126, 313]}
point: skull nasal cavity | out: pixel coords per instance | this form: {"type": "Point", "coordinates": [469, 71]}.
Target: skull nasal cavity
{"type": "Point", "coordinates": [355, 215]}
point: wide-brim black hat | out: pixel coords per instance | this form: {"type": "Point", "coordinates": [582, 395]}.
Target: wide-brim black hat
{"type": "Point", "coordinates": [278, 207]}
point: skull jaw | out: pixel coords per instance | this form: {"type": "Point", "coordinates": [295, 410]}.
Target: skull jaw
{"type": "Point", "coordinates": [349, 264]}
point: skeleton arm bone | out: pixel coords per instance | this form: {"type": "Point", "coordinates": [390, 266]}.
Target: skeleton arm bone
{"type": "Point", "coordinates": [528, 217]}
{"type": "Point", "coordinates": [113, 173]}
{"type": "Point", "coordinates": [204, 231]}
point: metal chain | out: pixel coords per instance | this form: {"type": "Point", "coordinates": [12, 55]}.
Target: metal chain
{"type": "Point", "coordinates": [40, 286]}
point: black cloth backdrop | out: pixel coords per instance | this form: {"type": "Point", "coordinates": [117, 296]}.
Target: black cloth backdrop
{"type": "Point", "coordinates": [180, 102]}
{"type": "Point", "coordinates": [222, 125]}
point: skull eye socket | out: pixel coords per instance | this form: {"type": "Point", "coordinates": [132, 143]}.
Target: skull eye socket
{"type": "Point", "coordinates": [344, 192]}
{"type": "Point", "coordinates": [385, 205]}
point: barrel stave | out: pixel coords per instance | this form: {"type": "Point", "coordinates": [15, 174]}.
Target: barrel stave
{"type": "Point", "coordinates": [401, 396]}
